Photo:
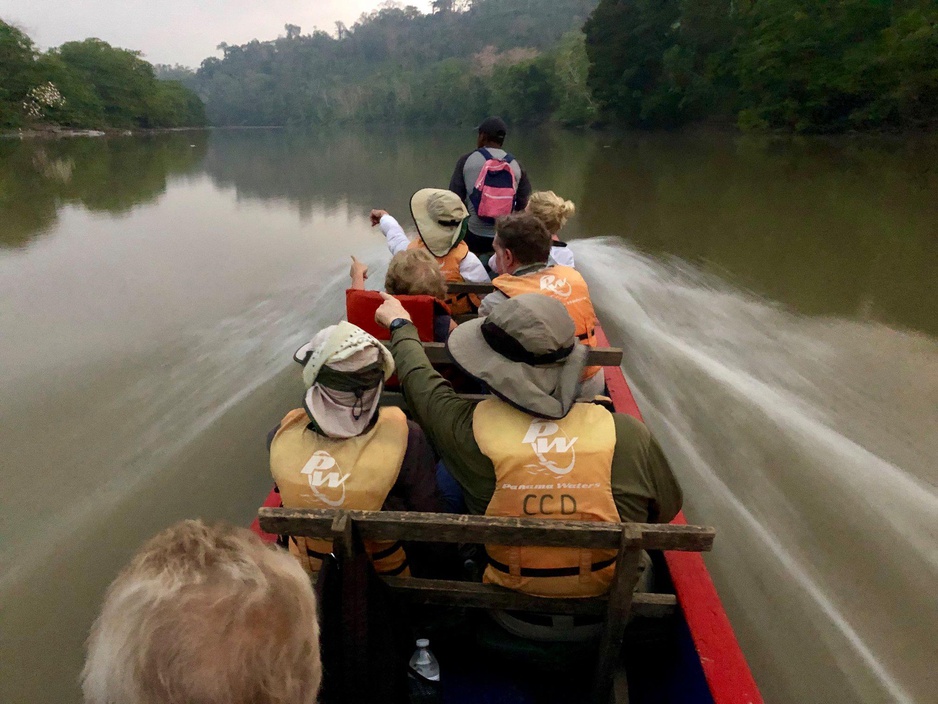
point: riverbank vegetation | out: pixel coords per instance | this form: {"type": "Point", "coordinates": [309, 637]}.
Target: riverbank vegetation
{"type": "Point", "coordinates": [794, 65]}
{"type": "Point", "coordinates": [799, 65]}
{"type": "Point", "coordinates": [524, 59]}
{"type": "Point", "coordinates": [87, 84]}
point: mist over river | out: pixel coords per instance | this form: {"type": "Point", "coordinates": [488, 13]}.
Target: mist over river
{"type": "Point", "coordinates": [777, 300]}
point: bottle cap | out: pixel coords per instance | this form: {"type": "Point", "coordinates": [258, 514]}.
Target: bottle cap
{"type": "Point", "coordinates": [422, 643]}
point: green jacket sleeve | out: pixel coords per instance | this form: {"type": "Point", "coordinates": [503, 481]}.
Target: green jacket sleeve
{"type": "Point", "coordinates": [643, 485]}
{"type": "Point", "coordinates": [445, 418]}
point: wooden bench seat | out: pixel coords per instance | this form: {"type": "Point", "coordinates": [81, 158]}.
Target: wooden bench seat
{"type": "Point", "coordinates": [596, 356]}
{"type": "Point", "coordinates": [469, 287]}
{"type": "Point", "coordinates": [628, 539]}
{"type": "Point", "coordinates": [491, 596]}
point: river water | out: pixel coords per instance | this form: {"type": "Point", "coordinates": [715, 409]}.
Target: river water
{"type": "Point", "coordinates": [776, 298]}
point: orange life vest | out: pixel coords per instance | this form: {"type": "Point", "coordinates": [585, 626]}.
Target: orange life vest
{"type": "Point", "coordinates": [553, 469]}
{"type": "Point", "coordinates": [459, 303]}
{"type": "Point", "coordinates": [567, 286]}
{"type": "Point", "coordinates": [313, 471]}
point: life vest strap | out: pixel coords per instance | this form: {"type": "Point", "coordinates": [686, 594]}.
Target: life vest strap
{"type": "Point", "coordinates": [387, 552]}
{"type": "Point", "coordinates": [396, 571]}
{"type": "Point", "coordinates": [551, 571]}
{"type": "Point", "coordinates": [310, 552]}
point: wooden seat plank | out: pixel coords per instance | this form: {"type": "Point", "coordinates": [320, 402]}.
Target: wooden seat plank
{"type": "Point", "coordinates": [628, 539]}
{"type": "Point", "coordinates": [395, 399]}
{"type": "Point", "coordinates": [449, 528]}
{"type": "Point", "coordinates": [490, 596]}
{"type": "Point", "coordinates": [596, 356]}
{"type": "Point", "coordinates": [469, 287]}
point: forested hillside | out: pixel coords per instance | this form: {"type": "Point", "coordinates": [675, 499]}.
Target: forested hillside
{"type": "Point", "coordinates": [87, 84]}
{"type": "Point", "coordinates": [801, 65]}
{"type": "Point", "coordinates": [524, 59]}
{"type": "Point", "coordinates": [798, 65]}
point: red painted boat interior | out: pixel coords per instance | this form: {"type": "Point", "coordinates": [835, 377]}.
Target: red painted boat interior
{"type": "Point", "coordinates": [727, 673]}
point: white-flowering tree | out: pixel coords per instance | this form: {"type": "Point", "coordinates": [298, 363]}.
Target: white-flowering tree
{"type": "Point", "coordinates": [41, 97]}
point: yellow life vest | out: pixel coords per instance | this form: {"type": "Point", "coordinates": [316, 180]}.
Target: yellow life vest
{"type": "Point", "coordinates": [313, 471]}
{"type": "Point", "coordinates": [459, 303]}
{"type": "Point", "coordinates": [552, 469]}
{"type": "Point", "coordinates": [567, 286]}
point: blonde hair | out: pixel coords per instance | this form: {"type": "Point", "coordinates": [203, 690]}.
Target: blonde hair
{"type": "Point", "coordinates": [551, 209]}
{"type": "Point", "coordinates": [206, 614]}
{"type": "Point", "coordinates": [415, 272]}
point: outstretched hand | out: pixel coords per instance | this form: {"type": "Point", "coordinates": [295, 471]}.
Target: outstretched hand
{"type": "Point", "coordinates": [358, 269]}
{"type": "Point", "coordinates": [390, 310]}
{"type": "Point", "coordinates": [376, 216]}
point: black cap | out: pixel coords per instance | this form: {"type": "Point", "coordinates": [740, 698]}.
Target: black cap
{"type": "Point", "coordinates": [494, 126]}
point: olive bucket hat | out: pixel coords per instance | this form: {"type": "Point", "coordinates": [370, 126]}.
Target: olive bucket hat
{"type": "Point", "coordinates": [527, 352]}
{"type": "Point", "coordinates": [441, 219]}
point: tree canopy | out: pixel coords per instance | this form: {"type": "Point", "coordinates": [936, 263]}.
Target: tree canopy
{"type": "Point", "coordinates": [800, 65]}
{"type": "Point", "coordinates": [87, 84]}
{"type": "Point", "coordinates": [396, 64]}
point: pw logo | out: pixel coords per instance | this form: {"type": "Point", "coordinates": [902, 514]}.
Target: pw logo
{"type": "Point", "coordinates": [556, 286]}
{"type": "Point", "coordinates": [553, 449]}
{"type": "Point", "coordinates": [325, 478]}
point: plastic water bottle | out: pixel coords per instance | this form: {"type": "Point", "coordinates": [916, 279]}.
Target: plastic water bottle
{"type": "Point", "coordinates": [424, 676]}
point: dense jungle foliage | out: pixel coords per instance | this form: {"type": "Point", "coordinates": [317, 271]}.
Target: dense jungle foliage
{"type": "Point", "coordinates": [523, 59]}
{"type": "Point", "coordinates": [800, 65]}
{"type": "Point", "coordinates": [87, 84]}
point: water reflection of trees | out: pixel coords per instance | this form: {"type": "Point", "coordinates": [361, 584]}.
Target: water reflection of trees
{"type": "Point", "coordinates": [109, 175]}
{"type": "Point", "coordinates": [325, 171]}
{"type": "Point", "coordinates": [828, 226]}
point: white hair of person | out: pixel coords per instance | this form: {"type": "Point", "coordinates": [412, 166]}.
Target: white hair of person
{"type": "Point", "coordinates": [206, 615]}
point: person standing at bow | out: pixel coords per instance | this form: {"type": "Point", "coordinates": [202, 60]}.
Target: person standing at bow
{"type": "Point", "coordinates": [491, 183]}
{"type": "Point", "coordinates": [441, 221]}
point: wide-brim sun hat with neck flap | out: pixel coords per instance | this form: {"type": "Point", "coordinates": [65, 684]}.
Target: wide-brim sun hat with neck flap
{"type": "Point", "coordinates": [527, 352]}
{"type": "Point", "coordinates": [344, 369]}
{"type": "Point", "coordinates": [441, 219]}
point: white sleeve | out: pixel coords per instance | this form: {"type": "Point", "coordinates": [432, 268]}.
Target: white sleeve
{"type": "Point", "coordinates": [492, 263]}
{"type": "Point", "coordinates": [471, 269]}
{"type": "Point", "coordinates": [563, 256]}
{"type": "Point", "coordinates": [397, 240]}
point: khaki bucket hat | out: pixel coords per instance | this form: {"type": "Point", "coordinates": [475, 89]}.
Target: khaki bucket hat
{"type": "Point", "coordinates": [527, 352]}
{"type": "Point", "coordinates": [441, 219]}
{"type": "Point", "coordinates": [344, 369]}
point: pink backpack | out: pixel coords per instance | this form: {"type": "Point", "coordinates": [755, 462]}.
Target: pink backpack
{"type": "Point", "coordinates": [495, 189]}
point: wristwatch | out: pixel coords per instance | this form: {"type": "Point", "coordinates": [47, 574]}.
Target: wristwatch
{"type": "Point", "coordinates": [398, 323]}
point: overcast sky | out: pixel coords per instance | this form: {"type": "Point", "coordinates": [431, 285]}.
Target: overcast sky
{"type": "Point", "coordinates": [177, 31]}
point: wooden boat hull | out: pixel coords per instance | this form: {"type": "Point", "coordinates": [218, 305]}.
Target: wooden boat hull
{"type": "Point", "coordinates": [700, 663]}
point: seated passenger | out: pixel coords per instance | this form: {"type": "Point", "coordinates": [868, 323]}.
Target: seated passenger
{"type": "Point", "coordinates": [522, 248]}
{"type": "Point", "coordinates": [413, 272]}
{"type": "Point", "coordinates": [532, 449]}
{"type": "Point", "coordinates": [553, 211]}
{"type": "Point", "coordinates": [342, 450]}
{"type": "Point", "coordinates": [205, 614]}
{"type": "Point", "coordinates": [441, 220]}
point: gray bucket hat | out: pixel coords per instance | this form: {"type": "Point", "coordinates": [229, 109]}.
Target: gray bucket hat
{"type": "Point", "coordinates": [527, 352]}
